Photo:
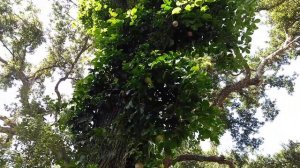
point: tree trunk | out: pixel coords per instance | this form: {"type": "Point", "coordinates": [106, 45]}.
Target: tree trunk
{"type": "Point", "coordinates": [114, 156]}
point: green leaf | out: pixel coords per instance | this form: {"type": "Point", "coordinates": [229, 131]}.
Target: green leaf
{"type": "Point", "coordinates": [133, 11]}
{"type": "Point", "coordinates": [180, 3]}
{"type": "Point", "coordinates": [210, 1]}
{"type": "Point", "coordinates": [166, 7]}
{"type": "Point", "coordinates": [98, 6]}
{"type": "Point", "coordinates": [188, 7]}
{"type": "Point", "coordinates": [112, 13]}
{"type": "Point", "coordinates": [256, 20]}
{"type": "Point", "coordinates": [195, 68]}
{"type": "Point", "coordinates": [199, 2]}
{"type": "Point", "coordinates": [176, 10]}
{"type": "Point", "coordinates": [204, 8]}
{"type": "Point", "coordinates": [168, 2]}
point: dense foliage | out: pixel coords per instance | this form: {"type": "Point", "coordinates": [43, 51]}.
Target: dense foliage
{"type": "Point", "coordinates": [157, 71]}
{"type": "Point", "coordinates": [165, 75]}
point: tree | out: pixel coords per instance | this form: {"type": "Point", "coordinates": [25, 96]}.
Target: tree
{"type": "Point", "coordinates": [288, 157]}
{"type": "Point", "coordinates": [28, 139]}
{"type": "Point", "coordinates": [170, 70]}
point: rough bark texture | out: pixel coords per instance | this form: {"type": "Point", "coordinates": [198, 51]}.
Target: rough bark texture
{"type": "Point", "coordinates": [116, 156]}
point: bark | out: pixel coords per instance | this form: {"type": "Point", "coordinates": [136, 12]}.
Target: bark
{"type": "Point", "coordinates": [115, 157]}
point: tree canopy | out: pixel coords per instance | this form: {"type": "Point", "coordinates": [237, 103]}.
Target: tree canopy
{"type": "Point", "coordinates": [27, 137]}
{"type": "Point", "coordinates": [163, 76]}
{"type": "Point", "coordinates": [289, 156]}
{"type": "Point", "coordinates": [169, 70]}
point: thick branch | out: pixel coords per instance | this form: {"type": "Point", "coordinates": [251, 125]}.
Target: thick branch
{"type": "Point", "coordinates": [235, 87]}
{"type": "Point", "coordinates": [199, 158]}
{"type": "Point", "coordinates": [247, 81]}
{"type": "Point", "coordinates": [272, 57]}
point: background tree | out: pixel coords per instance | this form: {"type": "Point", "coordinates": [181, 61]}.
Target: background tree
{"type": "Point", "coordinates": [27, 137]}
{"type": "Point", "coordinates": [288, 157]}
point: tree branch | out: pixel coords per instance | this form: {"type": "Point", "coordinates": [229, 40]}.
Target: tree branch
{"type": "Point", "coordinates": [200, 158]}
{"type": "Point", "coordinates": [235, 87]}
{"type": "Point", "coordinates": [271, 58]}
{"type": "Point", "coordinates": [19, 73]}
{"type": "Point", "coordinates": [6, 47]}
{"type": "Point", "coordinates": [37, 73]}
{"type": "Point", "coordinates": [3, 61]}
{"type": "Point", "coordinates": [73, 3]}
{"type": "Point", "coordinates": [77, 57]}
{"type": "Point", "coordinates": [247, 81]}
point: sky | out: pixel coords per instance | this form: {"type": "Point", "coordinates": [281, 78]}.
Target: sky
{"type": "Point", "coordinates": [286, 124]}
{"type": "Point", "coordinates": [283, 128]}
